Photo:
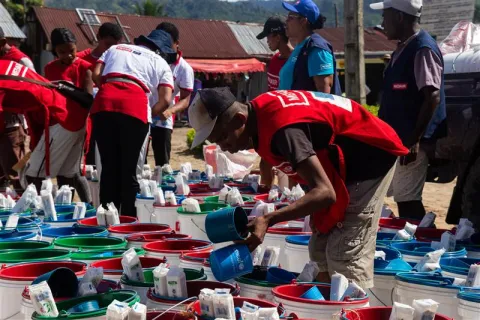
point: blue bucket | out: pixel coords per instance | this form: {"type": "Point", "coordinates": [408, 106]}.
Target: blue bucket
{"type": "Point", "coordinates": [87, 306]}
{"type": "Point", "coordinates": [429, 279]}
{"type": "Point", "coordinates": [385, 239]}
{"type": "Point", "coordinates": [414, 251]}
{"type": "Point", "coordinates": [14, 235]}
{"type": "Point", "coordinates": [231, 262]}
{"type": "Point", "coordinates": [457, 266]}
{"type": "Point", "coordinates": [392, 267]}
{"type": "Point", "coordinates": [75, 231]}
{"type": "Point", "coordinates": [469, 294]}
{"type": "Point", "coordinates": [298, 240]}
{"type": "Point", "coordinates": [62, 281]}
{"type": "Point", "coordinates": [313, 294]}
{"type": "Point", "coordinates": [279, 276]}
{"type": "Point", "coordinates": [226, 224]}
{"type": "Point", "coordinates": [390, 253]}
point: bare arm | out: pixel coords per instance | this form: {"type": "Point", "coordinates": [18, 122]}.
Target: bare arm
{"type": "Point", "coordinates": [183, 103]}
{"type": "Point", "coordinates": [88, 82]}
{"type": "Point", "coordinates": [97, 74]}
{"type": "Point", "coordinates": [266, 173]}
{"type": "Point", "coordinates": [323, 83]}
{"type": "Point", "coordinates": [164, 98]}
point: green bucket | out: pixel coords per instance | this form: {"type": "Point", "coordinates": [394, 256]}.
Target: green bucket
{"type": "Point", "coordinates": [17, 256]}
{"type": "Point", "coordinates": [214, 199]}
{"type": "Point", "coordinates": [25, 245]}
{"type": "Point", "coordinates": [205, 208]}
{"type": "Point", "coordinates": [190, 274]}
{"type": "Point", "coordinates": [97, 255]}
{"type": "Point", "coordinates": [103, 300]}
{"type": "Point", "coordinates": [89, 243]}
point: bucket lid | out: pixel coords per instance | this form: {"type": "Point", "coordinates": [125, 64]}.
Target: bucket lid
{"type": "Point", "coordinates": [469, 294]}
{"type": "Point", "coordinates": [178, 246]}
{"type": "Point", "coordinates": [427, 279]}
{"type": "Point", "coordinates": [302, 240]}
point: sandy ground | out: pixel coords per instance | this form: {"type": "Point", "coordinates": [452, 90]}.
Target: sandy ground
{"type": "Point", "coordinates": [436, 197]}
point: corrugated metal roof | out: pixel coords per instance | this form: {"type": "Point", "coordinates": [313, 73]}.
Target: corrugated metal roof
{"type": "Point", "coordinates": [247, 36]}
{"type": "Point", "coordinates": [374, 40]}
{"type": "Point", "coordinates": [202, 39]}
{"type": "Point", "coordinates": [9, 26]}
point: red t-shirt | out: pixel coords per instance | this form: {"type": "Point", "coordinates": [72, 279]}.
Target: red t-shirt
{"type": "Point", "coordinates": [87, 56]}
{"type": "Point", "coordinates": [273, 73]}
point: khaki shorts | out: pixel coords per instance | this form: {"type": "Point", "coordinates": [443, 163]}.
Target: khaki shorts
{"type": "Point", "coordinates": [408, 181]}
{"type": "Point", "coordinates": [349, 248]}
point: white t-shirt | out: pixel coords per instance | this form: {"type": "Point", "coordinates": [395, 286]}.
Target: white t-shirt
{"type": "Point", "coordinates": [184, 78]}
{"type": "Point", "coordinates": [141, 64]}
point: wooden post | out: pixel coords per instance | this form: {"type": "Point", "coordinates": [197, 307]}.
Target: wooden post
{"type": "Point", "coordinates": [354, 51]}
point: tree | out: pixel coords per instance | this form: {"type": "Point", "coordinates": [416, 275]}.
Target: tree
{"type": "Point", "coordinates": [18, 11]}
{"type": "Point", "coordinates": [476, 14]}
{"type": "Point", "coordinates": [150, 8]}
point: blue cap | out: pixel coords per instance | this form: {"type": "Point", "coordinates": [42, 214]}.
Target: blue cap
{"type": "Point", "coordinates": [158, 38]}
{"type": "Point", "coordinates": [305, 8]}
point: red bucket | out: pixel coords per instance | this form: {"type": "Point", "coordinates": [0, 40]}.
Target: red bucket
{"type": "Point", "coordinates": [377, 313]}
{"type": "Point", "coordinates": [170, 315]}
{"type": "Point", "coordinates": [197, 258]}
{"type": "Point", "coordinates": [392, 225]}
{"type": "Point", "coordinates": [200, 191]}
{"type": "Point", "coordinates": [114, 266]}
{"type": "Point", "coordinates": [144, 238]}
{"type": "Point", "coordinates": [238, 302]}
{"type": "Point", "coordinates": [431, 234]}
{"type": "Point", "coordinates": [92, 222]}
{"type": "Point", "coordinates": [173, 249]}
{"type": "Point", "coordinates": [295, 231]}
{"type": "Point", "coordinates": [264, 198]}
{"type": "Point", "coordinates": [31, 271]}
{"type": "Point", "coordinates": [122, 230]}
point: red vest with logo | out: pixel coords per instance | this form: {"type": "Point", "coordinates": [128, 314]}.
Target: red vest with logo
{"type": "Point", "coordinates": [278, 109]}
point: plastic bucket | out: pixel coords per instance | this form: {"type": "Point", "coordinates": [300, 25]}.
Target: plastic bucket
{"type": "Point", "coordinates": [415, 286]}
{"type": "Point", "coordinates": [231, 262]}
{"type": "Point", "coordinates": [173, 249]}
{"type": "Point", "coordinates": [123, 230]}
{"type": "Point", "coordinates": [255, 285]}
{"type": "Point", "coordinates": [430, 234]}
{"type": "Point", "coordinates": [19, 256]}
{"type": "Point", "coordinates": [144, 207]}
{"type": "Point", "coordinates": [385, 239]}
{"type": "Point", "coordinates": [194, 223]}
{"type": "Point", "coordinates": [13, 280]}
{"type": "Point", "coordinates": [247, 201]}
{"type": "Point", "coordinates": [77, 243]}
{"type": "Point", "coordinates": [103, 300]}
{"type": "Point", "coordinates": [142, 287]}
{"type": "Point", "coordinates": [390, 253]}
{"type": "Point", "coordinates": [289, 296]}
{"type": "Point", "coordinates": [138, 240]}
{"type": "Point", "coordinates": [14, 235]}
{"type": "Point", "coordinates": [200, 191]}
{"type": "Point", "coordinates": [392, 225]}
{"type": "Point", "coordinates": [378, 313]}
{"type": "Point", "coordinates": [170, 315]}
{"type": "Point", "coordinates": [90, 257]}
{"type": "Point", "coordinates": [296, 251]}
{"type": "Point", "coordinates": [198, 261]}
{"type": "Point", "coordinates": [457, 267]}
{"type": "Point", "coordinates": [25, 245]}
{"type": "Point", "coordinates": [165, 214]}
{"type": "Point", "coordinates": [227, 224]}
{"type": "Point", "coordinates": [473, 251]}
{"type": "Point", "coordinates": [381, 294]}
{"type": "Point", "coordinates": [25, 223]}
{"type": "Point", "coordinates": [468, 304]}
{"type": "Point", "coordinates": [92, 222]}
{"type": "Point", "coordinates": [53, 233]}
{"type": "Point", "coordinates": [280, 276]}
{"type": "Point", "coordinates": [299, 223]}
{"type": "Point", "coordinates": [238, 303]}
{"type": "Point", "coordinates": [276, 237]}
{"type": "Point", "coordinates": [414, 251]}
{"type": "Point", "coordinates": [193, 289]}
{"type": "Point", "coordinates": [113, 270]}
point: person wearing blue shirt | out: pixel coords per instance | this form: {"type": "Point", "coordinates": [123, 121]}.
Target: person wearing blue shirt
{"type": "Point", "coordinates": [312, 64]}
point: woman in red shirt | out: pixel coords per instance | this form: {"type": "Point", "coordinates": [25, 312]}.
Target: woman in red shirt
{"type": "Point", "coordinates": [66, 139]}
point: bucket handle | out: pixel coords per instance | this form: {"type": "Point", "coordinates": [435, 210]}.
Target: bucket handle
{"type": "Point", "coordinates": [193, 299]}
{"type": "Point", "coordinates": [196, 225]}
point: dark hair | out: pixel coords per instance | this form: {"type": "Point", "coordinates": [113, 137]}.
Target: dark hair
{"type": "Point", "coordinates": [171, 29]}
{"type": "Point", "coordinates": [319, 24]}
{"type": "Point", "coordinates": [61, 36]}
{"type": "Point", "coordinates": [407, 17]}
{"type": "Point", "coordinates": [110, 30]}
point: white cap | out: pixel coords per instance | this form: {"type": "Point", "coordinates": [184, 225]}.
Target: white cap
{"type": "Point", "coordinates": [200, 120]}
{"type": "Point", "coordinates": [411, 7]}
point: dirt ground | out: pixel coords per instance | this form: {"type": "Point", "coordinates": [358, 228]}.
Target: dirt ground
{"type": "Point", "coordinates": [436, 197]}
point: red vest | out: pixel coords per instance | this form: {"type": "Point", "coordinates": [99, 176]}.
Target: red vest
{"type": "Point", "coordinates": [278, 109]}
{"type": "Point", "coordinates": [14, 55]}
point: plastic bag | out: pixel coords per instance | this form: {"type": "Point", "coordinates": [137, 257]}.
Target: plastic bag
{"type": "Point", "coordinates": [309, 272]}
{"type": "Point", "coordinates": [145, 188]}
{"type": "Point", "coordinates": [339, 286]}
{"type": "Point", "coordinates": [182, 184]}
{"type": "Point", "coordinates": [167, 169]}
{"type": "Point", "coordinates": [118, 311]}
{"type": "Point", "coordinates": [170, 198]}
{"type": "Point", "coordinates": [3, 201]}
{"type": "Point", "coordinates": [206, 298]}
{"type": "Point", "coordinates": [146, 172]}
{"type": "Point", "coordinates": [448, 241]}
{"type": "Point", "coordinates": [111, 216]}
{"type": "Point", "coordinates": [11, 192]}
{"type": "Point", "coordinates": [464, 230]}
{"type": "Point", "coordinates": [402, 235]}
{"type": "Point", "coordinates": [101, 216]}
{"type": "Point", "coordinates": [410, 228]}
{"type": "Point", "coordinates": [270, 256]}
{"type": "Point", "coordinates": [401, 312]}
{"type": "Point", "coordinates": [93, 275]}
{"type": "Point", "coordinates": [27, 198]}
{"type": "Point", "coordinates": [177, 283]}
{"type": "Point", "coordinates": [249, 311]}
{"type": "Point", "coordinates": [209, 171]}
{"type": "Point", "coordinates": [428, 220]}
{"type": "Point", "coordinates": [48, 205]}
{"type": "Point", "coordinates": [424, 309]}
{"type": "Point", "coordinates": [430, 262]}
{"type": "Point", "coordinates": [10, 203]}
{"type": "Point", "coordinates": [186, 168]}
{"type": "Point", "coordinates": [473, 278]}
{"type": "Point", "coordinates": [159, 197]}
{"type": "Point", "coordinates": [222, 196]}
{"type": "Point", "coordinates": [132, 267]}
{"type": "Point", "coordinates": [47, 184]}
{"type": "Point", "coordinates": [273, 195]}
{"type": "Point", "coordinates": [79, 210]}
{"type": "Point", "coordinates": [353, 292]}
{"type": "Point", "coordinates": [64, 195]}
{"type": "Point", "coordinates": [234, 198]}
{"type": "Point", "coordinates": [258, 210]}
{"type": "Point", "coordinates": [268, 314]}
{"type": "Point", "coordinates": [191, 205]}
{"type": "Point", "coordinates": [160, 280]}
{"type": "Point", "coordinates": [223, 304]}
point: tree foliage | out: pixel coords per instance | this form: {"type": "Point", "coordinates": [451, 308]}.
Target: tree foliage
{"type": "Point", "coordinates": [149, 8]}
{"type": "Point", "coordinates": [17, 11]}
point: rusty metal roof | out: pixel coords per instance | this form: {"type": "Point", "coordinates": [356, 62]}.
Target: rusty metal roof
{"type": "Point", "coordinates": [246, 34]}
{"type": "Point", "coordinates": [9, 26]}
{"type": "Point", "coordinates": [201, 39]}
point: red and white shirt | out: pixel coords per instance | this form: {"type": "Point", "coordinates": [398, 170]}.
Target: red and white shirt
{"type": "Point", "coordinates": [273, 72]}
{"type": "Point", "coordinates": [184, 79]}
{"type": "Point", "coordinates": [140, 65]}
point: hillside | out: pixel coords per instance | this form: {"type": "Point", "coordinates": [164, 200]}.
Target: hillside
{"type": "Point", "coordinates": [243, 11]}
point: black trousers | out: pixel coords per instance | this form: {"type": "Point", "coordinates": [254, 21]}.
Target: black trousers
{"type": "Point", "coordinates": [119, 138]}
{"type": "Point", "coordinates": [161, 145]}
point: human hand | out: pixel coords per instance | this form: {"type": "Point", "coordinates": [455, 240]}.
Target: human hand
{"type": "Point", "coordinates": [411, 156]}
{"type": "Point", "coordinates": [258, 228]}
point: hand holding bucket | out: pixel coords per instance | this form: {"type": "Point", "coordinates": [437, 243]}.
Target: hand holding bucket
{"type": "Point", "coordinates": [227, 224]}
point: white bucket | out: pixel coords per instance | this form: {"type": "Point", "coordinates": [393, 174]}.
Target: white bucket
{"type": "Point", "coordinates": [144, 209]}
{"type": "Point", "coordinates": [192, 224]}
{"type": "Point", "coordinates": [141, 291]}
{"type": "Point", "coordinates": [277, 239]}
{"type": "Point", "coordinates": [382, 293]}
{"type": "Point", "coordinates": [161, 306]}
{"type": "Point", "coordinates": [10, 297]}
{"type": "Point", "coordinates": [94, 187]}
{"type": "Point", "coordinates": [296, 256]}
{"type": "Point", "coordinates": [173, 259]}
{"type": "Point", "coordinates": [26, 309]}
{"type": "Point", "coordinates": [296, 224]}
{"type": "Point", "coordinates": [112, 276]}
{"type": "Point", "coordinates": [406, 292]}
{"type": "Point", "coordinates": [255, 292]}
{"type": "Point", "coordinates": [165, 215]}
{"type": "Point", "coordinates": [468, 310]}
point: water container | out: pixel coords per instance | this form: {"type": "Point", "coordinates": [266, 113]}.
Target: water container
{"type": "Point", "coordinates": [279, 275]}
{"type": "Point", "coordinates": [144, 207]}
{"type": "Point", "coordinates": [53, 233]}
{"type": "Point", "coordinates": [290, 297]}
{"type": "Point", "coordinates": [384, 280]}
{"type": "Point", "coordinates": [457, 267]}
{"type": "Point", "coordinates": [231, 262]}
{"type": "Point", "coordinates": [14, 235]}
{"type": "Point", "coordinates": [157, 302]}
{"type": "Point", "coordinates": [25, 245]}
{"type": "Point", "coordinates": [414, 251]}
{"type": "Point", "coordinates": [296, 253]}
{"type": "Point", "coordinates": [194, 223]}
{"type": "Point", "coordinates": [62, 281]}
{"type": "Point", "coordinates": [172, 249]}
{"type": "Point", "coordinates": [138, 240]}
{"type": "Point", "coordinates": [201, 191]}
{"type": "Point", "coordinates": [124, 230]}
{"type": "Point", "coordinates": [77, 243]}
{"type": "Point", "coordinates": [276, 237]}
{"type": "Point", "coordinates": [424, 285]}
{"type": "Point", "coordinates": [468, 304]}
{"type": "Point", "coordinates": [113, 270]}
{"type": "Point", "coordinates": [19, 256]}
{"type": "Point", "coordinates": [28, 224]}
{"type": "Point", "coordinates": [93, 256]}
{"type": "Point", "coordinates": [166, 214]}
{"type": "Point", "coordinates": [378, 313]}
{"type": "Point", "coordinates": [92, 222]}
{"type": "Point", "coordinates": [227, 224]}
{"type": "Point", "coordinates": [392, 225]}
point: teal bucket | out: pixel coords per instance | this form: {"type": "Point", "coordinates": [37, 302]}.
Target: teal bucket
{"type": "Point", "coordinates": [17, 236]}
{"type": "Point", "coordinates": [88, 243]}
{"type": "Point", "coordinates": [414, 251]}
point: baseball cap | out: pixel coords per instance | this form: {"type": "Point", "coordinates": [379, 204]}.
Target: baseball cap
{"type": "Point", "coordinates": [205, 109]}
{"type": "Point", "coordinates": [305, 8]}
{"type": "Point", "coordinates": [274, 24]}
{"type": "Point", "coordinates": [411, 7]}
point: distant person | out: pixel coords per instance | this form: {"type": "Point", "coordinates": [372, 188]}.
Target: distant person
{"type": "Point", "coordinates": [312, 64]}
{"type": "Point", "coordinates": [128, 75]}
{"type": "Point", "coordinates": [275, 32]}
{"type": "Point", "coordinates": [162, 126]}
{"type": "Point", "coordinates": [413, 99]}
{"type": "Point", "coordinates": [12, 140]}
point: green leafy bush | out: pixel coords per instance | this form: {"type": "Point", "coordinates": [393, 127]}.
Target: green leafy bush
{"type": "Point", "coordinates": [372, 109]}
{"type": "Point", "coordinates": [190, 138]}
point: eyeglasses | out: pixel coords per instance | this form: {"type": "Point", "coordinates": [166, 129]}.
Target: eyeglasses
{"type": "Point", "coordinates": [291, 16]}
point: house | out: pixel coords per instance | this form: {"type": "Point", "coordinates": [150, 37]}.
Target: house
{"type": "Point", "coordinates": [12, 32]}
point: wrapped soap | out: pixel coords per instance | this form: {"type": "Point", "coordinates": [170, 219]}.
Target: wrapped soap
{"type": "Point", "coordinates": [48, 205]}
{"type": "Point", "coordinates": [339, 286]}
{"type": "Point", "coordinates": [160, 280]}
{"type": "Point", "coordinates": [448, 241]}
{"type": "Point", "coordinates": [473, 278]}
{"type": "Point", "coordinates": [223, 304]}
{"type": "Point", "coordinates": [424, 309]}
{"type": "Point", "coordinates": [309, 272]}
{"type": "Point", "coordinates": [42, 299]}
{"type": "Point", "coordinates": [138, 312]}
{"type": "Point", "coordinates": [380, 255]}
{"type": "Point", "coordinates": [191, 205]}
{"type": "Point", "coordinates": [111, 215]}
{"type": "Point", "coordinates": [354, 291]}
{"type": "Point", "coordinates": [101, 216]}
{"type": "Point", "coordinates": [177, 283]}
{"type": "Point", "coordinates": [270, 256]}
{"type": "Point", "coordinates": [428, 220]}
{"type": "Point", "coordinates": [118, 311]}
{"type": "Point", "coordinates": [159, 197]}
{"type": "Point", "coordinates": [206, 298]}
{"type": "Point", "coordinates": [273, 195]}
{"type": "Point", "coordinates": [132, 267]}
{"type": "Point", "coordinates": [170, 198]}
{"type": "Point", "coordinates": [401, 312]}
{"type": "Point", "coordinates": [410, 228]}
{"type": "Point", "coordinates": [79, 210]}
{"type": "Point", "coordinates": [430, 262]}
